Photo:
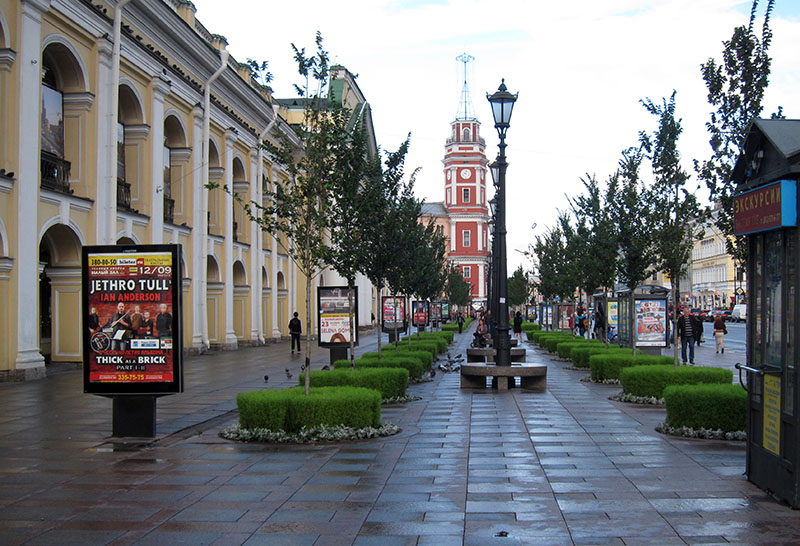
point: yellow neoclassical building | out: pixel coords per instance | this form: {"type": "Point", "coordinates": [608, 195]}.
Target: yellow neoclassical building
{"type": "Point", "coordinates": [95, 154]}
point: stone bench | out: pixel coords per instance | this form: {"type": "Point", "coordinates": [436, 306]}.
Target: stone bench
{"type": "Point", "coordinates": [533, 377]}
{"type": "Point", "coordinates": [487, 354]}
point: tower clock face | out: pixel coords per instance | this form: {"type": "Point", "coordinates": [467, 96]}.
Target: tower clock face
{"type": "Point", "coordinates": [465, 173]}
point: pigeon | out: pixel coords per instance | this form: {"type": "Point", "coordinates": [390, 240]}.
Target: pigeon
{"type": "Point", "coordinates": [288, 374]}
{"type": "Point", "coordinates": [266, 378]}
{"type": "Point", "coordinates": [433, 373]}
{"type": "Point", "coordinates": [302, 367]}
{"type": "Point", "coordinates": [326, 368]}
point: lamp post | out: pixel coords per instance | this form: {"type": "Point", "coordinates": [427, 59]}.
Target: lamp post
{"type": "Point", "coordinates": [502, 104]}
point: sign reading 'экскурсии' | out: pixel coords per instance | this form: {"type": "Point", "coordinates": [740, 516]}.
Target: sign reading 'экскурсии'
{"type": "Point", "coordinates": [768, 207]}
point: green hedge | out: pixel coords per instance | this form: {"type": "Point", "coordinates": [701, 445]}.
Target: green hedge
{"type": "Point", "coordinates": [652, 380]}
{"type": "Point", "coordinates": [608, 365]}
{"type": "Point", "coordinates": [421, 336]}
{"type": "Point", "coordinates": [410, 363]}
{"type": "Point", "coordinates": [290, 409]}
{"type": "Point", "coordinates": [531, 326]}
{"type": "Point", "coordinates": [390, 382]}
{"type": "Point", "coordinates": [722, 407]}
{"type": "Point", "coordinates": [439, 343]}
{"type": "Point", "coordinates": [565, 348]}
{"type": "Point", "coordinates": [431, 348]}
{"type": "Point", "coordinates": [388, 352]}
{"type": "Point", "coordinates": [580, 355]}
{"type": "Point", "coordinates": [551, 342]}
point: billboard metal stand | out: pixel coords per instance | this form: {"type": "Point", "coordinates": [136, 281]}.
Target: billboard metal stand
{"type": "Point", "coordinates": [134, 416]}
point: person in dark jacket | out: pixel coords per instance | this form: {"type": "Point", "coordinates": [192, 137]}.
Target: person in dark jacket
{"type": "Point", "coordinates": [518, 326]}
{"type": "Point", "coordinates": [687, 326]}
{"type": "Point", "coordinates": [295, 329]}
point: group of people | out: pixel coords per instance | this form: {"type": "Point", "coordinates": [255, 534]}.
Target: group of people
{"type": "Point", "coordinates": [132, 324]}
{"type": "Point", "coordinates": [690, 332]}
{"type": "Point", "coordinates": [483, 330]}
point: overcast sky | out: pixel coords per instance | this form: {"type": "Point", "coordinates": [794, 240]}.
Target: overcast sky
{"type": "Point", "coordinates": [580, 69]}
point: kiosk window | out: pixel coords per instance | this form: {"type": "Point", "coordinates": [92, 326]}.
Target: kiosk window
{"type": "Point", "coordinates": [758, 275]}
{"type": "Point", "coordinates": [791, 320]}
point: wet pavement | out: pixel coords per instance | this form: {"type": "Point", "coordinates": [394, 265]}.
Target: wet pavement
{"type": "Point", "coordinates": [472, 467]}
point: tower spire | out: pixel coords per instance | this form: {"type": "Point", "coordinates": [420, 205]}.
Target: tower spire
{"type": "Point", "coordinates": [465, 110]}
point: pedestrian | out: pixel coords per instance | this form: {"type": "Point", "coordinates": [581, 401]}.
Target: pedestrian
{"type": "Point", "coordinates": [295, 329]}
{"type": "Point", "coordinates": [518, 326]}
{"type": "Point", "coordinates": [686, 335]}
{"type": "Point", "coordinates": [460, 321]}
{"type": "Point", "coordinates": [719, 333]}
{"type": "Point", "coordinates": [581, 322]}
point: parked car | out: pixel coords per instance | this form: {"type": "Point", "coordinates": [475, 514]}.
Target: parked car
{"type": "Point", "coordinates": [724, 313]}
{"type": "Point", "coordinates": [739, 313]}
{"type": "Point", "coordinates": [699, 313]}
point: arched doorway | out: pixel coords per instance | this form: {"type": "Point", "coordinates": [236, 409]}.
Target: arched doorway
{"type": "Point", "coordinates": [240, 299]}
{"type": "Point", "coordinates": [214, 307]}
{"type": "Point", "coordinates": [282, 303]}
{"type": "Point", "coordinates": [60, 295]}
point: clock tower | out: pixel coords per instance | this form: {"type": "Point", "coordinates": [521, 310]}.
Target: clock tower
{"type": "Point", "coordinates": [465, 173]}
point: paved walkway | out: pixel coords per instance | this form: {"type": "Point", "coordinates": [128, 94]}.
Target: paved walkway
{"type": "Point", "coordinates": [471, 467]}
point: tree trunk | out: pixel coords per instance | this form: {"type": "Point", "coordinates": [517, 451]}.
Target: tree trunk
{"type": "Point", "coordinates": [396, 341]}
{"type": "Point", "coordinates": [309, 327]}
{"type": "Point", "coordinates": [675, 300]}
{"type": "Point", "coordinates": [379, 287]}
{"type": "Point", "coordinates": [632, 323]}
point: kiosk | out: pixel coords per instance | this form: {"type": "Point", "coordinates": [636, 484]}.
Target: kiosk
{"type": "Point", "coordinates": [765, 210]}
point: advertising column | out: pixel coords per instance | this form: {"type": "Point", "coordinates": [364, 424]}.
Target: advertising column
{"type": "Point", "coordinates": [132, 330]}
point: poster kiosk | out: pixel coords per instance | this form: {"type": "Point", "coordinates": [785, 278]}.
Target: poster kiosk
{"type": "Point", "coordinates": [647, 321]}
{"type": "Point", "coordinates": [420, 314]}
{"type": "Point", "coordinates": [546, 316]}
{"type": "Point", "coordinates": [333, 320]}
{"type": "Point", "coordinates": [132, 330]}
{"type": "Point", "coordinates": [394, 319]}
{"type": "Point", "coordinates": [765, 211]}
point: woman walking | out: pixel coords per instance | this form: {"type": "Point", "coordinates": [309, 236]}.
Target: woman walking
{"type": "Point", "coordinates": [719, 333]}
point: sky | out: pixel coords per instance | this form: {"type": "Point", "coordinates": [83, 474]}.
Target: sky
{"type": "Point", "coordinates": [580, 68]}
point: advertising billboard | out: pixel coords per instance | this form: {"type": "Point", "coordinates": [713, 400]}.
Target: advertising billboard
{"type": "Point", "coordinates": [651, 322]}
{"type": "Point", "coordinates": [530, 313]}
{"type": "Point", "coordinates": [132, 319]}
{"type": "Point", "coordinates": [333, 320]}
{"type": "Point", "coordinates": [436, 311]}
{"type": "Point", "coordinates": [393, 314]}
{"type": "Point", "coordinates": [419, 313]}
{"type": "Point", "coordinates": [445, 310]}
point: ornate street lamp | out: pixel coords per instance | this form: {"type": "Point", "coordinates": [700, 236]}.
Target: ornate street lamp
{"type": "Point", "coordinates": [502, 105]}
{"type": "Point", "coordinates": [490, 297]}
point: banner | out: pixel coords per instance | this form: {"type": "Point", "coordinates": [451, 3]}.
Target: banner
{"type": "Point", "coordinates": [436, 311]}
{"type": "Point", "coordinates": [132, 319]}
{"type": "Point", "coordinates": [445, 311]}
{"type": "Point", "coordinates": [651, 322]}
{"type": "Point", "coordinates": [530, 313]}
{"type": "Point", "coordinates": [333, 320]}
{"type": "Point", "coordinates": [419, 313]}
{"type": "Point", "coordinates": [393, 313]}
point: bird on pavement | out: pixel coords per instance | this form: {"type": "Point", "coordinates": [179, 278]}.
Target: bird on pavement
{"type": "Point", "coordinates": [266, 378]}
{"type": "Point", "coordinates": [288, 374]}
{"type": "Point", "coordinates": [326, 368]}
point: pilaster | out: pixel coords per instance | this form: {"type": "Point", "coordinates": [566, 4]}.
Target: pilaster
{"type": "Point", "coordinates": [230, 336]}
{"type": "Point", "coordinates": [26, 190]}
{"type": "Point", "coordinates": [160, 88]}
{"type": "Point", "coordinates": [256, 256]}
{"type": "Point", "coordinates": [199, 237]}
{"type": "Point", "coordinates": [106, 196]}
{"type": "Point", "coordinates": [276, 332]}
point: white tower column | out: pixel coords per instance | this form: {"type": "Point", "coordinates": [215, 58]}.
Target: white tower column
{"type": "Point", "coordinates": [26, 188]}
{"type": "Point", "coordinates": [230, 335]}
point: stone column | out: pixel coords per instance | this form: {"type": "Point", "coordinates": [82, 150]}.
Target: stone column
{"type": "Point", "coordinates": [230, 336]}
{"type": "Point", "coordinates": [105, 194]}
{"type": "Point", "coordinates": [26, 188]}
{"type": "Point", "coordinates": [256, 256]}
{"type": "Point", "coordinates": [160, 86]}
{"type": "Point", "coordinates": [199, 237]}
{"type": "Point", "coordinates": [276, 331]}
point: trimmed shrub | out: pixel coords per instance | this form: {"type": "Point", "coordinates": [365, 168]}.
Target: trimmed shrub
{"type": "Point", "coordinates": [551, 343]}
{"type": "Point", "coordinates": [530, 326]}
{"type": "Point", "coordinates": [652, 380]}
{"type": "Point", "coordinates": [430, 335]}
{"type": "Point", "coordinates": [608, 365]}
{"type": "Point", "coordinates": [410, 363]}
{"type": "Point", "coordinates": [716, 407]}
{"type": "Point", "coordinates": [350, 406]}
{"type": "Point", "coordinates": [439, 344]}
{"type": "Point", "coordinates": [266, 408]}
{"type": "Point", "coordinates": [390, 382]}
{"type": "Point", "coordinates": [290, 409]}
{"type": "Point", "coordinates": [580, 355]}
{"type": "Point", "coordinates": [430, 348]}
{"type": "Point", "coordinates": [565, 348]}
{"type": "Point", "coordinates": [425, 356]}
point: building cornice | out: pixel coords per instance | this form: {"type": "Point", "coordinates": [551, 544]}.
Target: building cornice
{"type": "Point", "coordinates": [7, 57]}
{"type": "Point", "coordinates": [83, 204]}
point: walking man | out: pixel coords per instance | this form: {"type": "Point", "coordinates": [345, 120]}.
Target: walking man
{"type": "Point", "coordinates": [295, 329]}
{"type": "Point", "coordinates": [686, 330]}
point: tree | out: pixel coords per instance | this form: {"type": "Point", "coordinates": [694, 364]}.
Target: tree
{"type": "Point", "coordinates": [736, 88]}
{"type": "Point", "coordinates": [550, 252]}
{"type": "Point", "coordinates": [300, 209]}
{"type": "Point", "coordinates": [457, 290]}
{"type": "Point", "coordinates": [675, 210]}
{"type": "Point", "coordinates": [518, 292]}
{"type": "Point", "coordinates": [635, 237]}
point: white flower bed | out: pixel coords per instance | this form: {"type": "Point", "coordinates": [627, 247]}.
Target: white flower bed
{"type": "Point", "coordinates": [308, 435]}
{"type": "Point", "coordinates": [704, 433]}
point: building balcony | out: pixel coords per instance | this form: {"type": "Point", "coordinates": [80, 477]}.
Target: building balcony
{"type": "Point", "coordinates": [123, 195]}
{"type": "Point", "coordinates": [169, 210]}
{"type": "Point", "coordinates": [55, 173]}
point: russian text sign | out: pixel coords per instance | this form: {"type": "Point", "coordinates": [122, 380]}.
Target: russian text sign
{"type": "Point", "coordinates": [768, 207]}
